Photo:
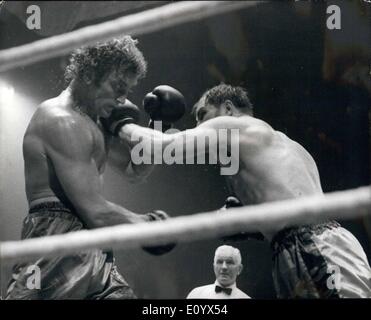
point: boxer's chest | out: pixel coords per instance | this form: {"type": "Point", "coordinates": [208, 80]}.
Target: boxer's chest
{"type": "Point", "coordinates": [100, 149]}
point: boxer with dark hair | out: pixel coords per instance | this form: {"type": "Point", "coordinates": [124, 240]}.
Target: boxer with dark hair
{"type": "Point", "coordinates": [272, 167]}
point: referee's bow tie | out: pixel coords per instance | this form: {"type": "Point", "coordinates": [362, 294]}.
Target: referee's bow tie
{"type": "Point", "coordinates": [218, 289]}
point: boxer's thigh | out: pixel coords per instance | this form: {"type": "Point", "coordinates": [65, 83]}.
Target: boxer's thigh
{"type": "Point", "coordinates": [346, 261]}
{"type": "Point", "coordinates": [116, 287]}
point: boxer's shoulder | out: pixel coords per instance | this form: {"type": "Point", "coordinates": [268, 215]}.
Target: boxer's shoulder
{"type": "Point", "coordinates": [56, 116]}
{"type": "Point", "coordinates": [255, 132]}
{"type": "Point", "coordinates": [54, 110]}
{"type": "Point", "coordinates": [242, 123]}
{"type": "Point", "coordinates": [55, 124]}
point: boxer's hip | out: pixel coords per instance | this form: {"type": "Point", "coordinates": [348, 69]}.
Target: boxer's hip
{"type": "Point", "coordinates": [50, 218]}
{"type": "Point", "coordinates": [320, 261]}
{"type": "Point", "coordinates": [76, 276]}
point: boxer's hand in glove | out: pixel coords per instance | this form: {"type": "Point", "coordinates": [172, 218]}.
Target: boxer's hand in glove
{"type": "Point", "coordinates": [158, 215]}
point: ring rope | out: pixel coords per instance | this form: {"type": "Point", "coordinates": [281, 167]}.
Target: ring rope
{"type": "Point", "coordinates": [135, 24]}
{"type": "Point", "coordinates": [301, 211]}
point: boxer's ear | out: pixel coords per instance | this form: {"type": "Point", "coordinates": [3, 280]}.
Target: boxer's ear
{"type": "Point", "coordinates": [88, 77]}
{"type": "Point", "coordinates": [88, 81]}
{"type": "Point", "coordinates": [228, 105]}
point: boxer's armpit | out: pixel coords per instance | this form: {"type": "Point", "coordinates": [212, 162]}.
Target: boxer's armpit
{"type": "Point", "coordinates": [119, 158]}
{"type": "Point", "coordinates": [118, 155]}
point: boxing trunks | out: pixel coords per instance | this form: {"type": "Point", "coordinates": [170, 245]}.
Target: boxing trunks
{"type": "Point", "coordinates": [320, 261]}
{"type": "Point", "coordinates": [90, 274]}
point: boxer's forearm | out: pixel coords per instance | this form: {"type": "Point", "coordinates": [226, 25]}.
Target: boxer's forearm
{"type": "Point", "coordinates": [111, 214]}
{"type": "Point", "coordinates": [133, 133]}
{"type": "Point", "coordinates": [152, 140]}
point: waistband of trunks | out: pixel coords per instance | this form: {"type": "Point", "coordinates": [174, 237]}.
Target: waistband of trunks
{"type": "Point", "coordinates": [51, 206]}
{"type": "Point", "coordinates": [57, 209]}
{"type": "Point", "coordinates": [316, 228]}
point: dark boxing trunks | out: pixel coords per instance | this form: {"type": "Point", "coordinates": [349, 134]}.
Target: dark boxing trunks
{"type": "Point", "coordinates": [87, 275]}
{"type": "Point", "coordinates": [320, 261]}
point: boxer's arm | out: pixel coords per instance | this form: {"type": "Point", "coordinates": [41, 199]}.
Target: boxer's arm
{"type": "Point", "coordinates": [70, 148]}
{"type": "Point", "coordinates": [119, 151]}
{"type": "Point", "coordinates": [215, 133]}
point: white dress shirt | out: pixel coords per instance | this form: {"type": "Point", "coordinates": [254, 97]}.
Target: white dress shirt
{"type": "Point", "coordinates": [208, 292]}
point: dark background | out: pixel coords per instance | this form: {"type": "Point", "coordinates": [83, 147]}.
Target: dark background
{"type": "Point", "coordinates": [297, 73]}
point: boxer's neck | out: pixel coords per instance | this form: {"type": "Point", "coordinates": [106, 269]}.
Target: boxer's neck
{"type": "Point", "coordinates": [81, 100]}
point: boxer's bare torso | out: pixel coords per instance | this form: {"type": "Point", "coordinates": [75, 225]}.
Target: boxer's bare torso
{"type": "Point", "coordinates": [50, 134]}
{"type": "Point", "coordinates": [48, 121]}
{"type": "Point", "coordinates": [272, 167]}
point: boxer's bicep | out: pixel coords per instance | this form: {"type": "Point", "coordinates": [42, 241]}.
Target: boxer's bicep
{"type": "Point", "coordinates": [209, 137]}
{"type": "Point", "coordinates": [118, 155]}
{"type": "Point", "coordinates": [70, 150]}
{"type": "Point", "coordinates": [197, 142]}
{"type": "Point", "coordinates": [193, 142]}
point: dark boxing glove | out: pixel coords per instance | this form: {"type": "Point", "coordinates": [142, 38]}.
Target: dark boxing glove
{"type": "Point", "coordinates": [233, 202]}
{"type": "Point", "coordinates": [158, 215]}
{"type": "Point", "coordinates": [165, 104]}
{"type": "Point", "coordinates": [123, 114]}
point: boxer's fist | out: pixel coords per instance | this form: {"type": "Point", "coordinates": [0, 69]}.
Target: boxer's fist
{"type": "Point", "coordinates": [123, 114]}
{"type": "Point", "coordinates": [233, 202]}
{"type": "Point", "coordinates": [164, 104]}
{"type": "Point", "coordinates": [158, 215]}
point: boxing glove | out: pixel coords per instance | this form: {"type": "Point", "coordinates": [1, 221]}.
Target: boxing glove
{"type": "Point", "coordinates": [123, 114]}
{"type": "Point", "coordinates": [233, 202]}
{"type": "Point", "coordinates": [158, 215]}
{"type": "Point", "coordinates": [165, 104]}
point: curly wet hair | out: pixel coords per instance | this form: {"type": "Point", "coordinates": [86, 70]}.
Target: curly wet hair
{"type": "Point", "coordinates": [103, 57]}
